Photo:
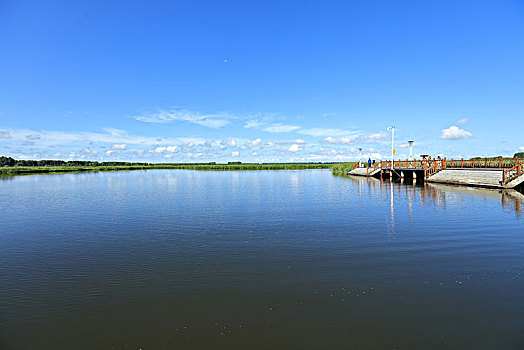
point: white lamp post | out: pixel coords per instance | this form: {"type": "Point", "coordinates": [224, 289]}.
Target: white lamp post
{"type": "Point", "coordinates": [392, 128]}
{"type": "Point", "coordinates": [411, 150]}
{"type": "Point", "coordinates": [359, 157]}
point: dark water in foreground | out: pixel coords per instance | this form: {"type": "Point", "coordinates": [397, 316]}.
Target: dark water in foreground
{"type": "Point", "coordinates": [168, 259]}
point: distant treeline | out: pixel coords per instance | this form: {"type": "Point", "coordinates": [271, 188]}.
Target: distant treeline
{"type": "Point", "coordinates": [8, 161]}
{"type": "Point", "coordinates": [10, 166]}
{"type": "Point", "coordinates": [519, 155]}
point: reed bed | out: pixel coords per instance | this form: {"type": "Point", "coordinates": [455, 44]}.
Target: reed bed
{"type": "Point", "coordinates": [342, 169]}
{"type": "Point", "coordinates": [20, 170]}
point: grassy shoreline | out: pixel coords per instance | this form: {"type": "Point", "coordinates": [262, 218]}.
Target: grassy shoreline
{"type": "Point", "coordinates": [342, 169]}
{"type": "Point", "coordinates": [20, 170]}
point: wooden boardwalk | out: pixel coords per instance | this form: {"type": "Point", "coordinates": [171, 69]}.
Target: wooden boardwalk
{"type": "Point", "coordinates": [499, 173]}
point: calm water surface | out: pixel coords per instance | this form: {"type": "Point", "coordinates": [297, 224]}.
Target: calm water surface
{"type": "Point", "coordinates": [168, 259]}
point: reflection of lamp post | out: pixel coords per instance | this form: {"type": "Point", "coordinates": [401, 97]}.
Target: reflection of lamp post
{"type": "Point", "coordinates": [359, 157]}
{"type": "Point", "coordinates": [392, 128]}
{"type": "Point", "coordinates": [411, 150]}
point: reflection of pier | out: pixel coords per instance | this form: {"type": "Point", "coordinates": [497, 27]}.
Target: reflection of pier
{"type": "Point", "coordinates": [494, 173]}
{"type": "Point", "coordinates": [513, 199]}
{"type": "Point", "coordinates": [433, 194]}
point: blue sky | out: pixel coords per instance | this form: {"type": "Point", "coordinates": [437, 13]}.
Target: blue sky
{"type": "Point", "coordinates": [262, 81]}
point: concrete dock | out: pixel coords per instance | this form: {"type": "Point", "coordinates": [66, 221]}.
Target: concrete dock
{"type": "Point", "coordinates": [507, 175]}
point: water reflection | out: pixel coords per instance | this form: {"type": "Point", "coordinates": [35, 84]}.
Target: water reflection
{"type": "Point", "coordinates": [435, 195]}
{"type": "Point", "coordinates": [392, 211]}
{"type": "Point", "coordinates": [271, 259]}
{"type": "Point", "coordinates": [513, 200]}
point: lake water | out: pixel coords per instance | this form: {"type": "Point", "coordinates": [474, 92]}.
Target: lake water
{"type": "Point", "coordinates": [169, 259]}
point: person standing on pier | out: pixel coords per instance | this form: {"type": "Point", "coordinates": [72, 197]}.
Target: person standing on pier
{"type": "Point", "coordinates": [369, 163]}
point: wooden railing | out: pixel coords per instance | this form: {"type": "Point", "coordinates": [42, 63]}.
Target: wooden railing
{"type": "Point", "coordinates": [512, 167]}
{"type": "Point", "coordinates": [498, 163]}
{"type": "Point", "coordinates": [433, 166]}
{"type": "Point", "coordinates": [378, 165]}
{"type": "Point", "coordinates": [514, 172]}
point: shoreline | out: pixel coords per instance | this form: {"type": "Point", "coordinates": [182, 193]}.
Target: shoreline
{"type": "Point", "coordinates": [15, 171]}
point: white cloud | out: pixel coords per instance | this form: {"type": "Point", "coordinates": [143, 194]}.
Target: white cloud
{"type": "Point", "coordinates": [253, 143]}
{"type": "Point", "coordinates": [114, 132]}
{"type": "Point", "coordinates": [172, 149]}
{"type": "Point", "coordinates": [4, 134]}
{"type": "Point", "coordinates": [268, 144]}
{"type": "Point", "coordinates": [521, 148]}
{"type": "Point", "coordinates": [121, 146]}
{"type": "Point", "coordinates": [295, 148]}
{"type": "Point", "coordinates": [109, 153]}
{"type": "Point", "coordinates": [208, 120]}
{"type": "Point", "coordinates": [235, 154]}
{"type": "Point", "coordinates": [289, 142]}
{"type": "Point", "coordinates": [270, 127]}
{"type": "Point", "coordinates": [378, 136]}
{"type": "Point", "coordinates": [159, 149]}
{"type": "Point", "coordinates": [338, 140]}
{"type": "Point", "coordinates": [323, 132]}
{"type": "Point", "coordinates": [463, 121]}
{"type": "Point", "coordinates": [231, 143]}
{"type": "Point", "coordinates": [254, 153]}
{"type": "Point", "coordinates": [253, 124]}
{"type": "Point", "coordinates": [455, 133]}
{"type": "Point", "coordinates": [266, 125]}
{"type": "Point", "coordinates": [33, 137]}
{"type": "Point", "coordinates": [110, 136]}
{"type": "Point", "coordinates": [275, 128]}
{"type": "Point", "coordinates": [212, 123]}
{"type": "Point", "coordinates": [373, 137]}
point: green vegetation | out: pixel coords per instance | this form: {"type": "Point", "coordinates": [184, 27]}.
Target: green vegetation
{"type": "Point", "coordinates": [489, 158]}
{"type": "Point", "coordinates": [8, 161]}
{"type": "Point", "coordinates": [342, 169]}
{"type": "Point", "coordinates": [10, 166]}
{"type": "Point", "coordinates": [519, 155]}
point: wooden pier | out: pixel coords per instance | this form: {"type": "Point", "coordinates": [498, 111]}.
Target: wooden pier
{"type": "Point", "coordinates": [495, 173]}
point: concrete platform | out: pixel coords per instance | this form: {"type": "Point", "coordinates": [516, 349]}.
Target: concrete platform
{"type": "Point", "coordinates": [363, 172]}
{"type": "Point", "coordinates": [488, 178]}
{"type": "Point", "coordinates": [359, 172]}
{"type": "Point", "coordinates": [469, 177]}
